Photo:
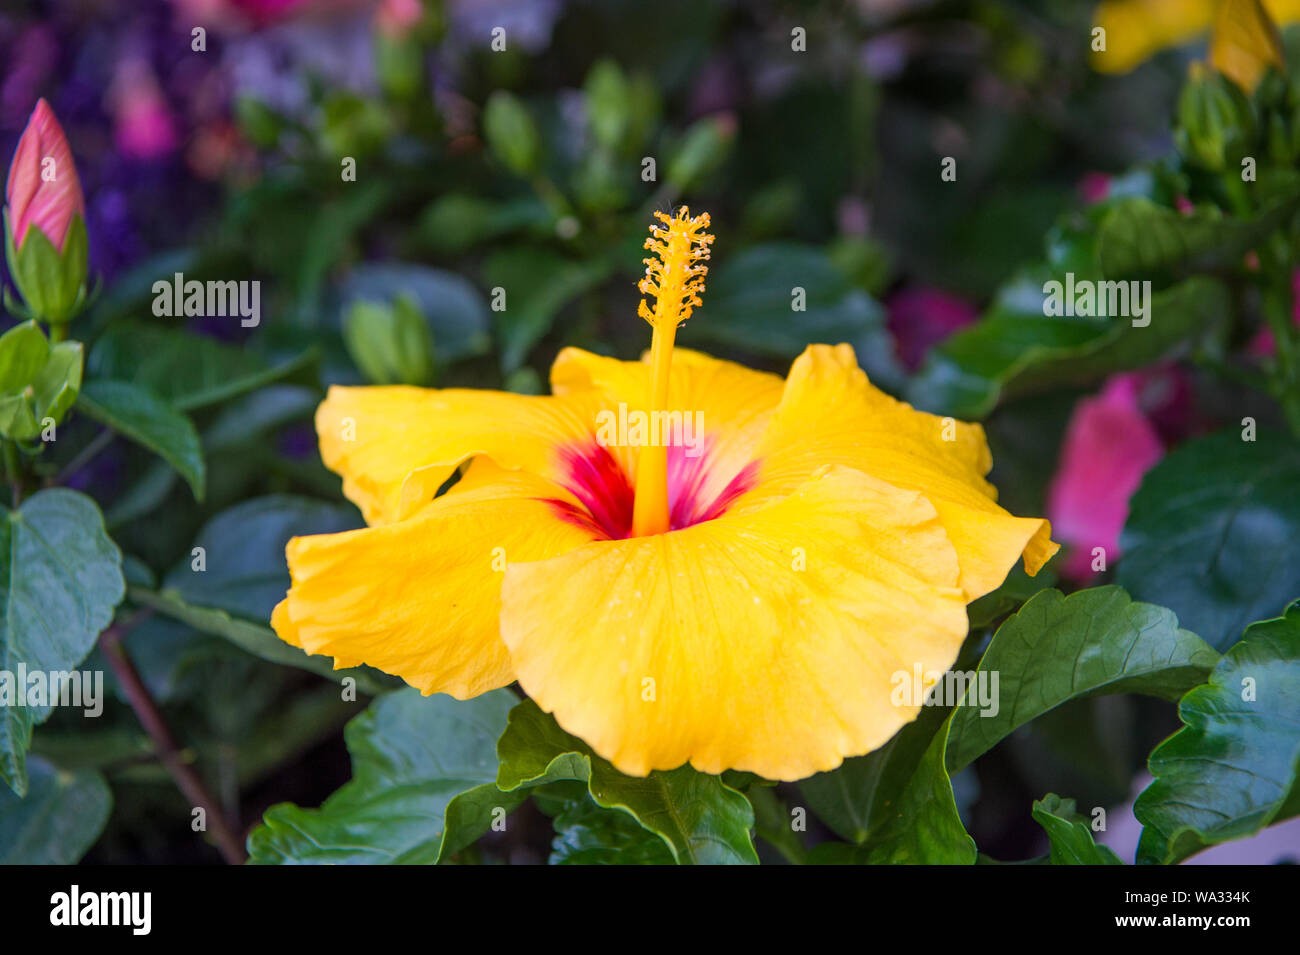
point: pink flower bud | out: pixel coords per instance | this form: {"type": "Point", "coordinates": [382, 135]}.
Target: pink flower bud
{"type": "Point", "coordinates": [144, 128]}
{"type": "Point", "coordinates": [395, 18]}
{"type": "Point", "coordinates": [43, 188]}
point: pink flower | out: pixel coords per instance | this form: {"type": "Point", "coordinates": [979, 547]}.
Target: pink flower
{"type": "Point", "coordinates": [1094, 187]}
{"type": "Point", "coordinates": [395, 18]}
{"type": "Point", "coordinates": [1109, 445]}
{"type": "Point", "coordinates": [43, 188]}
{"type": "Point", "coordinates": [920, 318]}
{"type": "Point", "coordinates": [238, 16]}
{"type": "Point", "coordinates": [144, 127]}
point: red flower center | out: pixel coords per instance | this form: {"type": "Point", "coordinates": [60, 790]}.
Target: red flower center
{"type": "Point", "coordinates": [606, 495]}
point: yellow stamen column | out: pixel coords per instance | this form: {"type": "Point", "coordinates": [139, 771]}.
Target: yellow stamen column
{"type": "Point", "coordinates": [675, 278]}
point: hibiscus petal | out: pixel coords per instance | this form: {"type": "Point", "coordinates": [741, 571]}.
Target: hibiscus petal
{"type": "Point", "coordinates": [1138, 29]}
{"type": "Point", "coordinates": [771, 638]}
{"type": "Point", "coordinates": [831, 414]}
{"type": "Point", "coordinates": [420, 598]}
{"type": "Point", "coordinates": [376, 436]}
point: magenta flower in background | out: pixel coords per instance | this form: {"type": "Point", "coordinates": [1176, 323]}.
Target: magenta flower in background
{"type": "Point", "coordinates": [1109, 445]}
{"type": "Point", "coordinates": [143, 123]}
{"type": "Point", "coordinates": [921, 318]}
{"type": "Point", "coordinates": [1263, 345]}
{"type": "Point", "coordinates": [1094, 187]}
{"type": "Point", "coordinates": [397, 17]}
{"type": "Point", "coordinates": [43, 189]}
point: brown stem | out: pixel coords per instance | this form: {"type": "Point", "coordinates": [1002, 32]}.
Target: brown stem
{"type": "Point", "coordinates": [187, 780]}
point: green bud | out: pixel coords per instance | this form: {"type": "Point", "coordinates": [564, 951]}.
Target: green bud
{"type": "Point", "coordinates": [399, 61]}
{"type": "Point", "coordinates": [609, 104]}
{"type": "Point", "coordinates": [51, 283]}
{"type": "Point", "coordinates": [598, 183]}
{"type": "Point", "coordinates": [259, 123]}
{"type": "Point", "coordinates": [1281, 140]}
{"type": "Point", "coordinates": [1273, 90]}
{"type": "Point", "coordinates": [703, 148]}
{"type": "Point", "coordinates": [643, 112]}
{"type": "Point", "coordinates": [1216, 120]}
{"type": "Point", "coordinates": [511, 133]}
{"type": "Point", "coordinates": [391, 344]}
{"type": "Point", "coordinates": [353, 126]}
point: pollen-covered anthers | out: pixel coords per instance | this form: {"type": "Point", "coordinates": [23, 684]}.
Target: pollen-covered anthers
{"type": "Point", "coordinates": [675, 276]}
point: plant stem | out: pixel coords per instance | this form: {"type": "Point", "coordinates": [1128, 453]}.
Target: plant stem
{"type": "Point", "coordinates": [83, 457]}
{"type": "Point", "coordinates": [169, 753]}
{"type": "Point", "coordinates": [14, 471]}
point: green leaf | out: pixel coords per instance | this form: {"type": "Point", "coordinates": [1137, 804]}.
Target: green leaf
{"type": "Point", "coordinates": [187, 371]}
{"type": "Point", "coordinates": [456, 222]}
{"type": "Point", "coordinates": [58, 820]}
{"type": "Point", "coordinates": [149, 421]}
{"type": "Point", "coordinates": [697, 816]}
{"type": "Point", "coordinates": [586, 834]}
{"type": "Point", "coordinates": [1070, 836]}
{"type": "Point", "coordinates": [453, 307]}
{"type": "Point", "coordinates": [750, 301]}
{"type": "Point", "coordinates": [257, 639]}
{"type": "Point", "coordinates": [242, 569]}
{"type": "Point", "coordinates": [24, 350]}
{"type": "Point", "coordinates": [1060, 648]}
{"type": "Point", "coordinates": [231, 585]}
{"type": "Point", "coordinates": [1011, 595]}
{"type": "Point", "coordinates": [60, 579]}
{"type": "Point", "coordinates": [511, 133]}
{"type": "Point", "coordinates": [1214, 532]}
{"type": "Point", "coordinates": [254, 415]}
{"type": "Point", "coordinates": [774, 822]}
{"type": "Point", "coordinates": [1232, 769]}
{"type": "Point", "coordinates": [1138, 238]}
{"type": "Point", "coordinates": [412, 756]}
{"type": "Point", "coordinates": [608, 103]}
{"type": "Point", "coordinates": [18, 418]}
{"type": "Point", "coordinates": [1017, 349]}
{"type": "Point", "coordinates": [902, 807]}
{"type": "Point", "coordinates": [858, 797]}
{"type": "Point", "coordinates": [538, 283]}
{"type": "Point", "coordinates": [703, 147]}
{"type": "Point", "coordinates": [923, 827]}
{"type": "Point", "coordinates": [59, 382]}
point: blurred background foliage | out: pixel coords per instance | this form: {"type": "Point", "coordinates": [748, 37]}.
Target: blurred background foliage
{"type": "Point", "coordinates": [482, 172]}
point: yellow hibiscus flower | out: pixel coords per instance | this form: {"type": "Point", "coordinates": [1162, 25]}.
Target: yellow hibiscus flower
{"type": "Point", "coordinates": [743, 598]}
{"type": "Point", "coordinates": [1243, 43]}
